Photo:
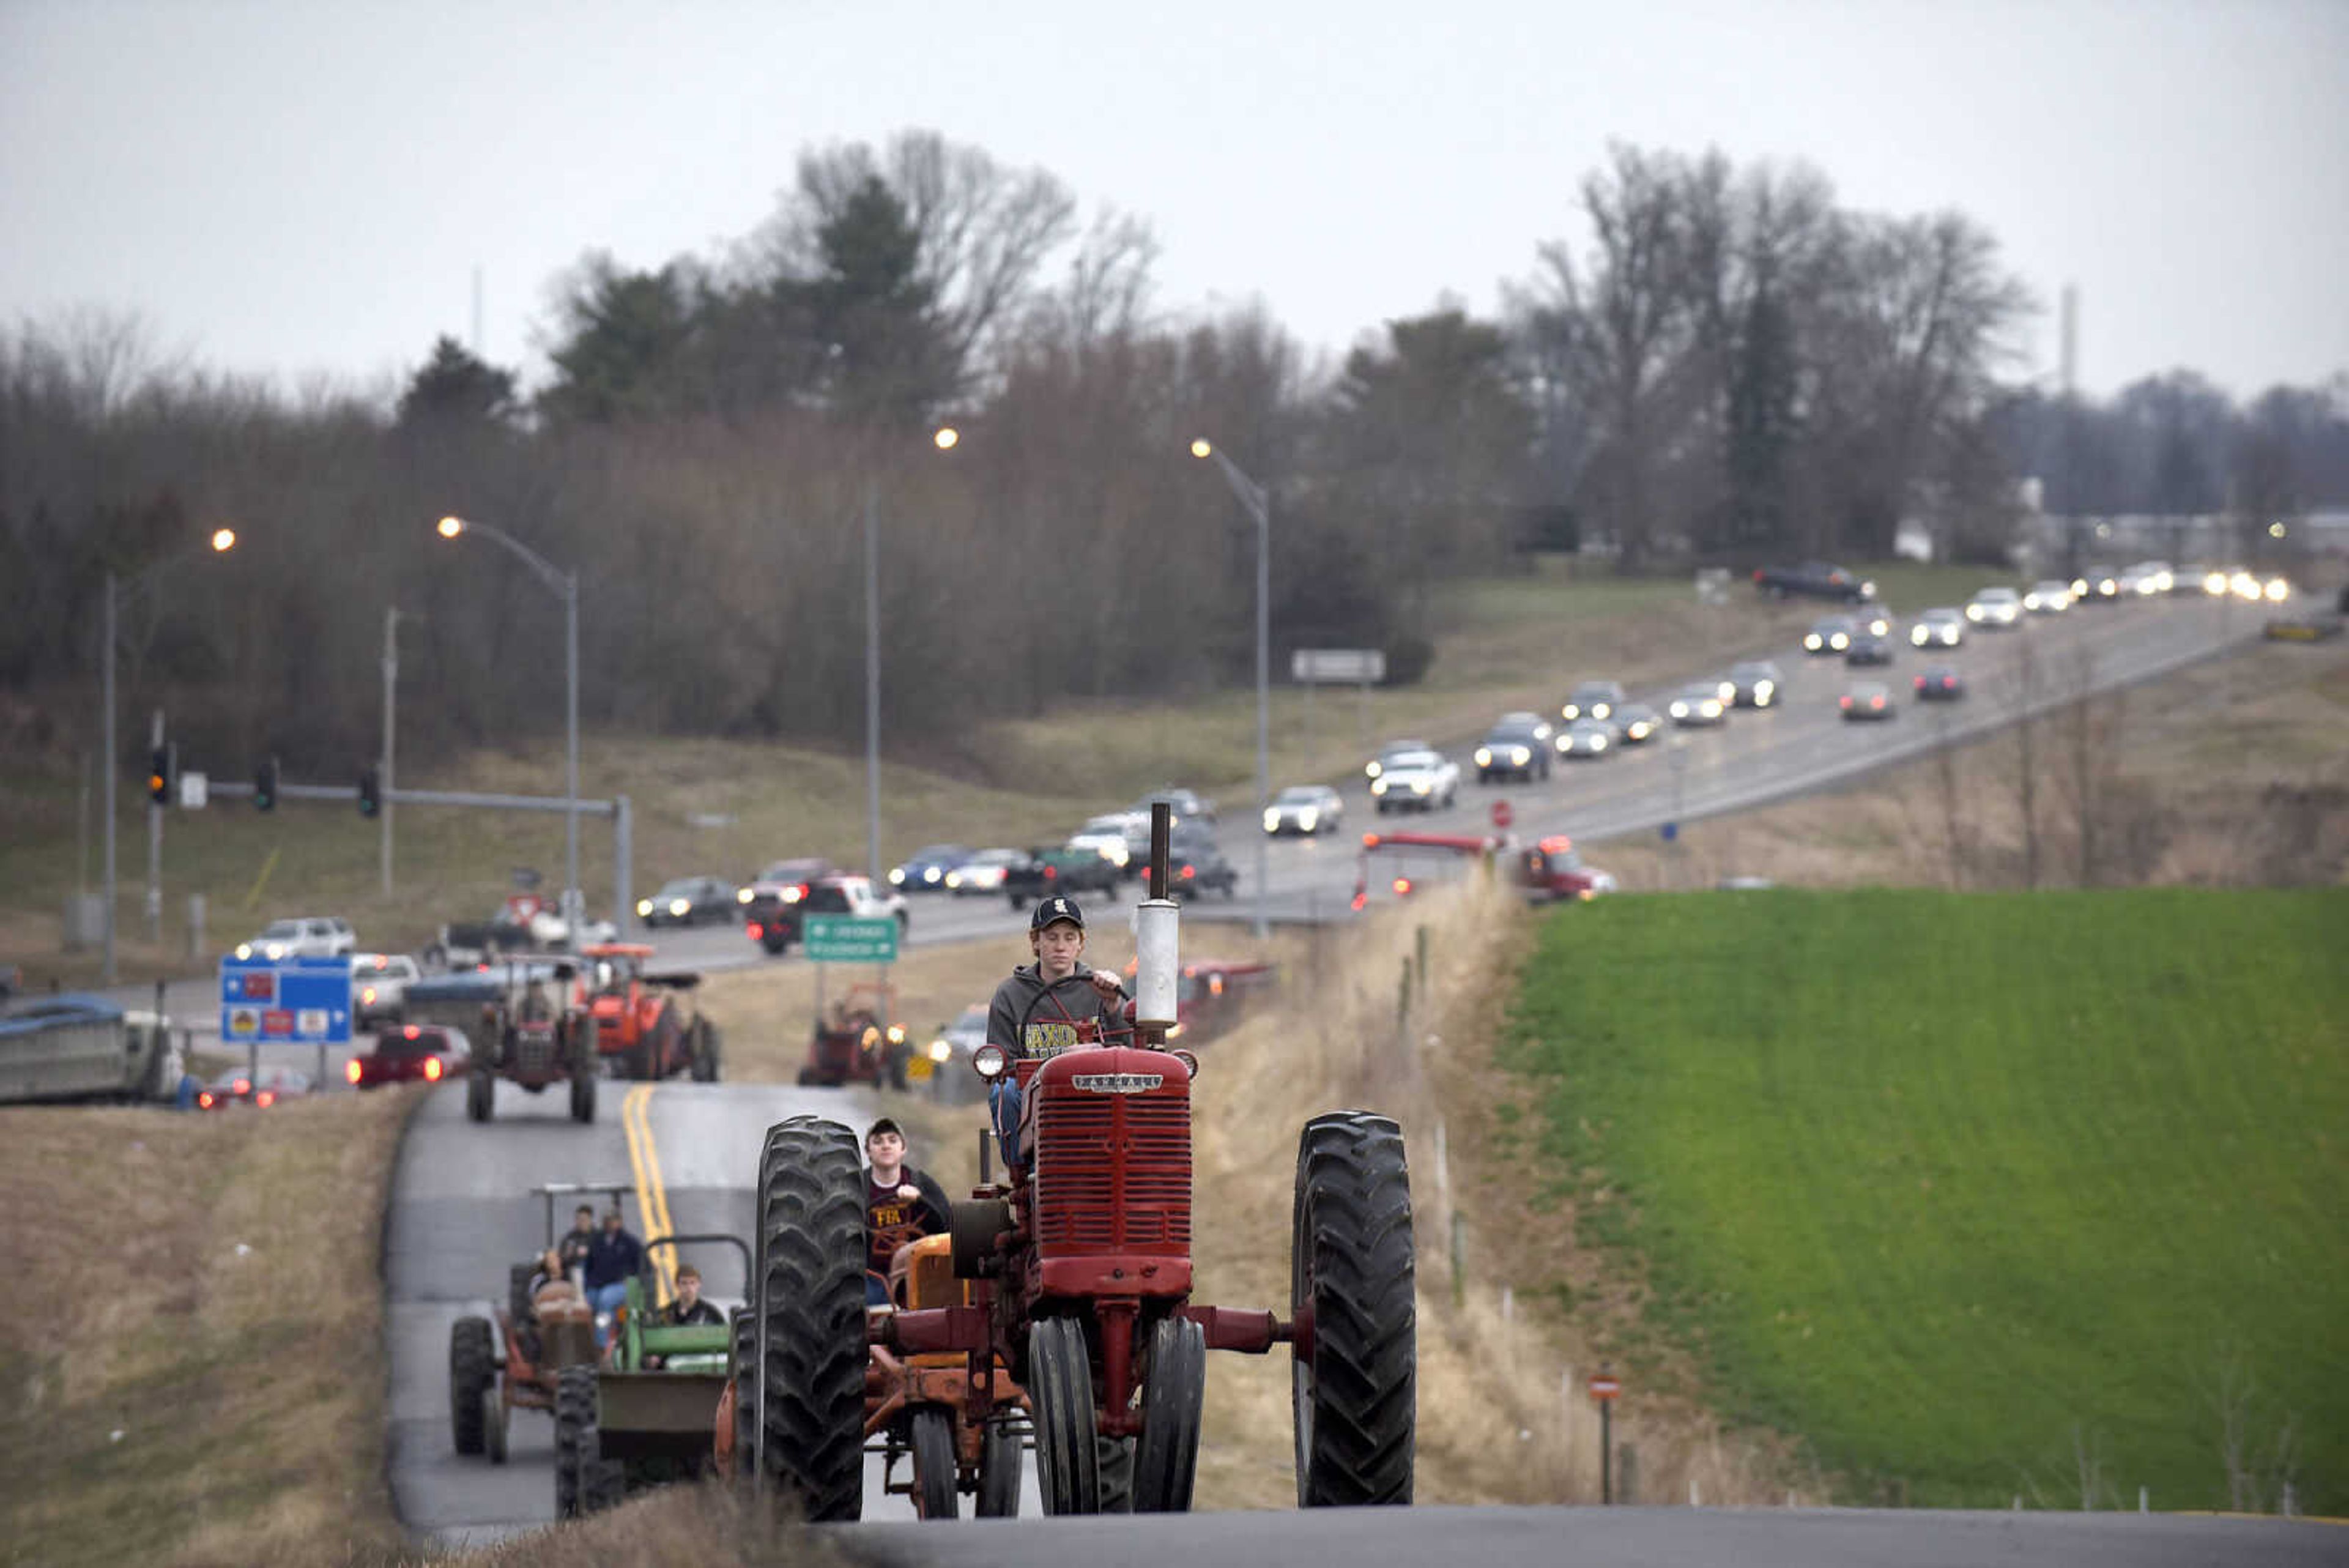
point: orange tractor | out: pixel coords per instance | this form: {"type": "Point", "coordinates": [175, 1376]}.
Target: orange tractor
{"type": "Point", "coordinates": [643, 1028]}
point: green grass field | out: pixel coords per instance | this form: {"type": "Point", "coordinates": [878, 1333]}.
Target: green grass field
{"type": "Point", "coordinates": [1961, 1188]}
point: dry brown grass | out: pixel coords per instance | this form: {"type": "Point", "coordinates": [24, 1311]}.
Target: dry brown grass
{"type": "Point", "coordinates": [709, 1525]}
{"type": "Point", "coordinates": [1501, 1415]}
{"type": "Point", "coordinates": [2233, 772]}
{"type": "Point", "coordinates": [172, 1398]}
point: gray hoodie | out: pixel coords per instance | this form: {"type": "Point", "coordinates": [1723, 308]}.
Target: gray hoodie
{"type": "Point", "coordinates": [1029, 1018]}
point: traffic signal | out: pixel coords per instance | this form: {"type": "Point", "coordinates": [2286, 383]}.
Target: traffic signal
{"type": "Point", "coordinates": [264, 785]}
{"type": "Point", "coordinates": [162, 773]}
{"type": "Point", "coordinates": [370, 792]}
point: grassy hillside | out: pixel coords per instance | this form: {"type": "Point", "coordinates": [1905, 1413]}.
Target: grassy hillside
{"type": "Point", "coordinates": [1981, 1195]}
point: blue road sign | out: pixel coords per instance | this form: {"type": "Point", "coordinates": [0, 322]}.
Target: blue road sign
{"type": "Point", "coordinates": [301, 1000]}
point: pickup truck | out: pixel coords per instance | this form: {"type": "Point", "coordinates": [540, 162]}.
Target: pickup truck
{"type": "Point", "coordinates": [1051, 871]}
{"type": "Point", "coordinates": [775, 928]}
{"type": "Point", "coordinates": [380, 982]}
{"type": "Point", "coordinates": [1814, 579]}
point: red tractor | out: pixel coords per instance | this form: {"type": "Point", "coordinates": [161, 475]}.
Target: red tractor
{"type": "Point", "coordinates": [859, 1042]}
{"type": "Point", "coordinates": [1079, 1275]}
{"type": "Point", "coordinates": [643, 1027]}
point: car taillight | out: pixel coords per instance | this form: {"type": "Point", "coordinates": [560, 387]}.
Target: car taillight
{"type": "Point", "coordinates": [1051, 872]}
{"type": "Point", "coordinates": [1190, 870]}
{"type": "Point", "coordinates": [1920, 684]}
{"type": "Point", "coordinates": [432, 1069]}
{"type": "Point", "coordinates": [1402, 887]}
{"type": "Point", "coordinates": [243, 1086]}
{"type": "Point", "coordinates": [410, 1031]}
{"type": "Point", "coordinates": [1844, 700]}
{"type": "Point", "coordinates": [265, 1099]}
{"type": "Point", "coordinates": [756, 930]}
{"type": "Point", "coordinates": [352, 1069]}
{"type": "Point", "coordinates": [204, 1100]}
{"type": "Point", "coordinates": [1875, 701]}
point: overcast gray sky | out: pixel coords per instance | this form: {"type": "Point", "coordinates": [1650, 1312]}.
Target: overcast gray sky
{"type": "Point", "coordinates": [307, 186]}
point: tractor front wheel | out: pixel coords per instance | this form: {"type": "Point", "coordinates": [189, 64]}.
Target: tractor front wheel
{"type": "Point", "coordinates": [810, 1289]}
{"type": "Point", "coordinates": [1351, 1268]}
{"type": "Point", "coordinates": [493, 1421]}
{"type": "Point", "coordinates": [746, 1393]}
{"type": "Point", "coordinates": [999, 1472]}
{"type": "Point", "coordinates": [472, 1357]}
{"type": "Point", "coordinates": [481, 1097]}
{"type": "Point", "coordinates": [1061, 1384]}
{"type": "Point", "coordinates": [582, 1095]}
{"type": "Point", "coordinates": [1174, 1391]}
{"type": "Point", "coordinates": [705, 1051]}
{"type": "Point", "coordinates": [933, 1442]}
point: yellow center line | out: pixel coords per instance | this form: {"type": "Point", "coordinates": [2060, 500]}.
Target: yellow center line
{"type": "Point", "coordinates": [652, 1198]}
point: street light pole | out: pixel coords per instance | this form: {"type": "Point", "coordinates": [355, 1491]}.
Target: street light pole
{"type": "Point", "coordinates": [221, 542]}
{"type": "Point", "coordinates": [1259, 506]}
{"type": "Point", "coordinates": [872, 681]}
{"type": "Point", "coordinates": [565, 587]}
{"type": "Point", "coordinates": [112, 763]}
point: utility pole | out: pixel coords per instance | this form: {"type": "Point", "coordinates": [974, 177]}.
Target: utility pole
{"type": "Point", "coordinates": [391, 690]}
{"type": "Point", "coordinates": [110, 762]}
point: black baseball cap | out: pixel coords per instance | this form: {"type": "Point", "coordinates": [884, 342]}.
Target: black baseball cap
{"type": "Point", "coordinates": [885, 1125]}
{"type": "Point", "coordinates": [1059, 906]}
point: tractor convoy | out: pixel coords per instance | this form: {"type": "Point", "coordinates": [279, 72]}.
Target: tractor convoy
{"type": "Point", "coordinates": [1056, 1314]}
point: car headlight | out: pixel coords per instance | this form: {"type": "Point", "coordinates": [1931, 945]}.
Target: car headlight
{"type": "Point", "coordinates": [1839, 641]}
{"type": "Point", "coordinates": [1729, 690]}
{"type": "Point", "coordinates": [1570, 712]}
{"type": "Point", "coordinates": [2278, 590]}
{"type": "Point", "coordinates": [1598, 742]}
{"type": "Point", "coordinates": [1272, 821]}
{"type": "Point", "coordinates": [1600, 709]}
{"type": "Point", "coordinates": [1418, 786]}
{"type": "Point", "coordinates": [1762, 689]}
{"type": "Point", "coordinates": [644, 907]}
{"type": "Point", "coordinates": [1867, 590]}
{"type": "Point", "coordinates": [677, 907]}
{"type": "Point", "coordinates": [367, 996]}
{"type": "Point", "coordinates": [954, 878]}
{"type": "Point", "coordinates": [1973, 612]}
{"type": "Point", "coordinates": [1916, 634]}
{"type": "Point", "coordinates": [941, 1051]}
{"type": "Point", "coordinates": [791, 895]}
{"type": "Point", "coordinates": [1680, 710]}
{"type": "Point", "coordinates": [245, 950]}
{"type": "Point", "coordinates": [1519, 756]}
{"type": "Point", "coordinates": [275, 950]}
{"type": "Point", "coordinates": [741, 894]}
{"type": "Point", "coordinates": [1483, 757]}
{"type": "Point", "coordinates": [1711, 709]}
{"type": "Point", "coordinates": [1307, 818]}
{"type": "Point", "coordinates": [1372, 769]}
{"type": "Point", "coordinates": [1813, 642]}
{"type": "Point", "coordinates": [1377, 786]}
{"type": "Point", "coordinates": [896, 875]}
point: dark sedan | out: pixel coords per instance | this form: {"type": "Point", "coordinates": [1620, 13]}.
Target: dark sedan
{"type": "Point", "coordinates": [1940, 683]}
{"type": "Point", "coordinates": [412, 1054]}
{"type": "Point", "coordinates": [1195, 866]}
{"type": "Point", "coordinates": [689, 901]}
{"type": "Point", "coordinates": [926, 869]}
{"type": "Point", "coordinates": [1832, 634]}
{"type": "Point", "coordinates": [1518, 747]}
{"type": "Point", "coordinates": [1636, 721]}
{"type": "Point", "coordinates": [1756, 683]}
{"type": "Point", "coordinates": [1867, 649]}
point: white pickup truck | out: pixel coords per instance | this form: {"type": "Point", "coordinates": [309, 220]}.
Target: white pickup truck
{"type": "Point", "coordinates": [1415, 781]}
{"type": "Point", "coordinates": [380, 985]}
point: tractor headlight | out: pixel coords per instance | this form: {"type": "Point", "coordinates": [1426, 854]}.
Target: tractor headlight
{"type": "Point", "coordinates": [990, 1062]}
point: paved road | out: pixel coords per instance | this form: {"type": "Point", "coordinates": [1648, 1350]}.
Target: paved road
{"type": "Point", "coordinates": [1612, 1538]}
{"type": "Point", "coordinates": [462, 1212]}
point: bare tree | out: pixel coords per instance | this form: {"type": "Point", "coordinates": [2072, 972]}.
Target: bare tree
{"type": "Point", "coordinates": [2026, 761]}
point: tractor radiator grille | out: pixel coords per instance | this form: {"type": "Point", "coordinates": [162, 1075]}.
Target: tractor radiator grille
{"type": "Point", "coordinates": [533, 1051]}
{"type": "Point", "coordinates": [1113, 1173]}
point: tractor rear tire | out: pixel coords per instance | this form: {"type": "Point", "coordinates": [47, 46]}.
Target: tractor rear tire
{"type": "Point", "coordinates": [705, 1047]}
{"type": "Point", "coordinates": [931, 1439]}
{"type": "Point", "coordinates": [999, 1472]}
{"type": "Point", "coordinates": [472, 1357]}
{"type": "Point", "coordinates": [481, 1097]}
{"type": "Point", "coordinates": [810, 1289]}
{"type": "Point", "coordinates": [1166, 1460]}
{"type": "Point", "coordinates": [1352, 1266]}
{"type": "Point", "coordinates": [582, 1095]}
{"type": "Point", "coordinates": [1060, 1389]}
{"type": "Point", "coordinates": [518, 1278]}
{"type": "Point", "coordinates": [574, 1419]}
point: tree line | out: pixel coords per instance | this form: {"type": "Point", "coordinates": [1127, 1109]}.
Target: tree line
{"type": "Point", "coordinates": [1733, 366]}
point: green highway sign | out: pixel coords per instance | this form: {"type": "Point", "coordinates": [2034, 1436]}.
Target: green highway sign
{"type": "Point", "coordinates": [846, 938]}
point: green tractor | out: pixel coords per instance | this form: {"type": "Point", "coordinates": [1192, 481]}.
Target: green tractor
{"type": "Point", "coordinates": [649, 1415]}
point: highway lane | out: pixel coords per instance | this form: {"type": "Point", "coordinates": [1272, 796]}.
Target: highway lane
{"type": "Point", "coordinates": [460, 1212]}
{"type": "Point", "coordinates": [1611, 1538]}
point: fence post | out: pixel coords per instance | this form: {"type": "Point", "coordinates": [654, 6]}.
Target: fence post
{"type": "Point", "coordinates": [1420, 959]}
{"type": "Point", "coordinates": [1459, 1257]}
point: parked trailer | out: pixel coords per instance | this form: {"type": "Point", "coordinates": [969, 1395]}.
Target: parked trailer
{"type": "Point", "coordinates": [79, 1047]}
